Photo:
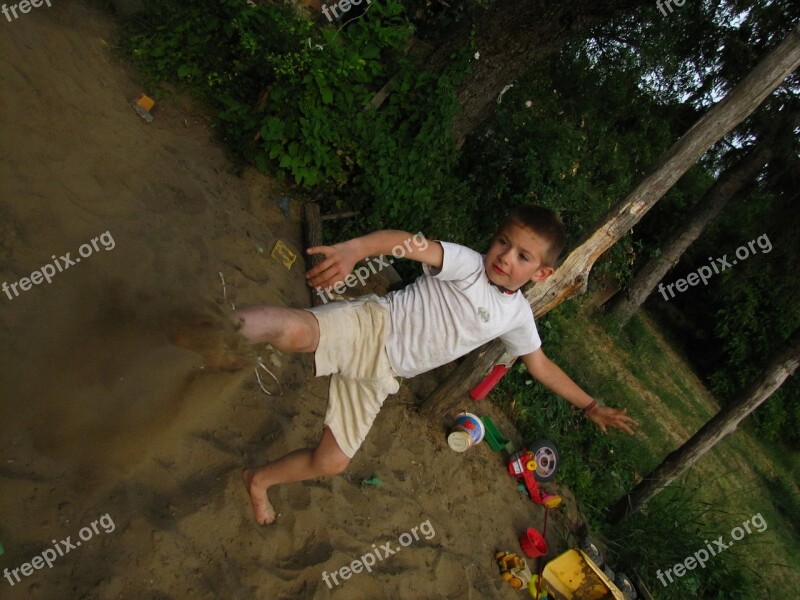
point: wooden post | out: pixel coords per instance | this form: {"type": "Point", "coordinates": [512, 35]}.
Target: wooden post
{"type": "Point", "coordinates": [312, 234]}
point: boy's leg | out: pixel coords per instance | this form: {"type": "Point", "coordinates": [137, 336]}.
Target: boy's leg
{"type": "Point", "coordinates": [287, 329]}
{"type": "Point", "coordinates": [215, 338]}
{"type": "Point", "coordinates": [326, 459]}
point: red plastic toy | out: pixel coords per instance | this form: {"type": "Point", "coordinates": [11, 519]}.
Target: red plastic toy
{"type": "Point", "coordinates": [533, 467]}
{"type": "Point", "coordinates": [480, 391]}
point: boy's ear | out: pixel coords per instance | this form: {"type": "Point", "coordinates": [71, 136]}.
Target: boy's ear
{"type": "Point", "coordinates": [542, 273]}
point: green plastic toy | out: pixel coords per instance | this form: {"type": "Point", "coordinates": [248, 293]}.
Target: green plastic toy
{"type": "Point", "coordinates": [493, 437]}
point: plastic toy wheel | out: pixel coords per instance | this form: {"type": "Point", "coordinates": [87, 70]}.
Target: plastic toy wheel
{"type": "Point", "coordinates": [531, 465]}
{"type": "Point", "coordinates": [546, 457]}
{"type": "Point", "coordinates": [625, 586]}
{"type": "Point", "coordinates": [592, 550]}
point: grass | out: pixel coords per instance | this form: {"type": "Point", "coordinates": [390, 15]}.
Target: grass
{"type": "Point", "coordinates": [739, 478]}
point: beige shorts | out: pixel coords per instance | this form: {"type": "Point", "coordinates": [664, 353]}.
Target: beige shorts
{"type": "Point", "coordinates": [352, 350]}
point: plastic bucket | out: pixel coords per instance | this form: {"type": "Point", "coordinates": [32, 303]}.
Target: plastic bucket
{"type": "Point", "coordinates": [532, 543]}
{"type": "Point", "coordinates": [468, 430]}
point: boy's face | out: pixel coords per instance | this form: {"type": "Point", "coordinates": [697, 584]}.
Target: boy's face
{"type": "Point", "coordinates": [516, 257]}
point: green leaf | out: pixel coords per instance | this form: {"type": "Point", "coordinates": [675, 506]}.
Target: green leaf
{"type": "Point", "coordinates": [371, 51]}
{"type": "Point", "coordinates": [272, 129]}
{"type": "Point", "coordinates": [327, 95]}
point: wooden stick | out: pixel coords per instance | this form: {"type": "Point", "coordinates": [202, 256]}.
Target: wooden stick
{"type": "Point", "coordinates": [312, 233]}
{"type": "Point", "coordinates": [339, 216]}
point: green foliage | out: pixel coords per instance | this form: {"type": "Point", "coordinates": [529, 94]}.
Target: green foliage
{"type": "Point", "coordinates": [569, 137]}
{"type": "Point", "coordinates": [292, 99]}
{"type": "Point", "coordinates": [436, 18]}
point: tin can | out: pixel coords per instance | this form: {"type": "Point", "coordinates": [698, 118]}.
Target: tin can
{"type": "Point", "coordinates": [468, 430]}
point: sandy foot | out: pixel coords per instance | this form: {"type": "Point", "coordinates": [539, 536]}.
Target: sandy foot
{"type": "Point", "coordinates": [262, 509]}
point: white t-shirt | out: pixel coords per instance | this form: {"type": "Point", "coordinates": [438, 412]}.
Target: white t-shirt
{"type": "Point", "coordinates": [448, 314]}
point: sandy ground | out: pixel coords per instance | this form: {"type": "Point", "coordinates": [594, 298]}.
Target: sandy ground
{"type": "Point", "coordinates": [103, 421]}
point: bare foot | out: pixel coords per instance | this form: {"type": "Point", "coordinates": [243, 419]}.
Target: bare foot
{"type": "Point", "coordinates": [262, 509]}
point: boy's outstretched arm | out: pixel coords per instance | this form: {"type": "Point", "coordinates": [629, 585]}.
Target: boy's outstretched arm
{"type": "Point", "coordinates": [550, 375]}
{"type": "Point", "coordinates": [341, 258]}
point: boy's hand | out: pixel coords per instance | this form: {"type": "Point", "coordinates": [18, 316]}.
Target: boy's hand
{"type": "Point", "coordinates": [338, 264]}
{"type": "Point", "coordinates": [604, 416]}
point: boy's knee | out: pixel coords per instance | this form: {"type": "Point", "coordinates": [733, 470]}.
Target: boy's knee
{"type": "Point", "coordinates": [329, 464]}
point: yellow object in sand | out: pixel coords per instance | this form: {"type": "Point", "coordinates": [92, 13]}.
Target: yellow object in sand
{"type": "Point", "coordinates": [282, 253]}
{"type": "Point", "coordinates": [573, 576]}
{"type": "Point", "coordinates": [513, 569]}
{"type": "Point", "coordinates": [143, 105]}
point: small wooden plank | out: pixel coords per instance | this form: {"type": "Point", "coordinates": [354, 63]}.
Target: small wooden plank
{"type": "Point", "coordinates": [312, 234]}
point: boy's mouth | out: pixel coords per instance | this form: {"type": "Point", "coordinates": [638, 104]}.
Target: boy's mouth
{"type": "Point", "coordinates": [499, 270]}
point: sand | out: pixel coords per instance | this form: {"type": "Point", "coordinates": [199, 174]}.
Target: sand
{"type": "Point", "coordinates": [104, 421]}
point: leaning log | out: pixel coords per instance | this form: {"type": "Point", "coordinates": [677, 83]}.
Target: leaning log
{"type": "Point", "coordinates": [723, 424]}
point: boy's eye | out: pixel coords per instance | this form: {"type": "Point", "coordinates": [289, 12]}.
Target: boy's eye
{"type": "Point", "coordinates": [524, 257]}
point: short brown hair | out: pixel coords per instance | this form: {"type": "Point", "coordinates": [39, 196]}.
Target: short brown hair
{"type": "Point", "coordinates": [543, 222]}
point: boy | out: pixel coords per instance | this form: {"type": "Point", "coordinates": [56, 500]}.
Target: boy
{"type": "Point", "coordinates": [462, 301]}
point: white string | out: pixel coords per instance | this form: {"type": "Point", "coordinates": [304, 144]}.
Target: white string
{"type": "Point", "coordinates": [504, 90]}
{"type": "Point", "coordinates": [225, 291]}
{"type": "Point", "coordinates": [260, 361]}
{"type": "Point", "coordinates": [261, 384]}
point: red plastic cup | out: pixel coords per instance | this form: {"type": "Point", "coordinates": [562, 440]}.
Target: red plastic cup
{"type": "Point", "coordinates": [533, 544]}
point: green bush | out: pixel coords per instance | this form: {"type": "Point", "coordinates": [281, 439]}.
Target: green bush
{"type": "Point", "coordinates": [292, 98]}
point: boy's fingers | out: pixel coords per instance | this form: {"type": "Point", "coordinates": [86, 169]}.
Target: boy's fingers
{"type": "Point", "coordinates": [321, 269]}
{"type": "Point", "coordinates": [318, 269]}
{"type": "Point", "coordinates": [327, 274]}
{"type": "Point", "coordinates": [331, 276]}
{"type": "Point", "coordinates": [622, 423]}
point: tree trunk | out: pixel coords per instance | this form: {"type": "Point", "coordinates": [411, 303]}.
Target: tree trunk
{"type": "Point", "coordinates": [572, 276]}
{"type": "Point", "coordinates": [724, 423]}
{"type": "Point", "coordinates": [627, 303]}
{"type": "Point", "coordinates": [510, 36]}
